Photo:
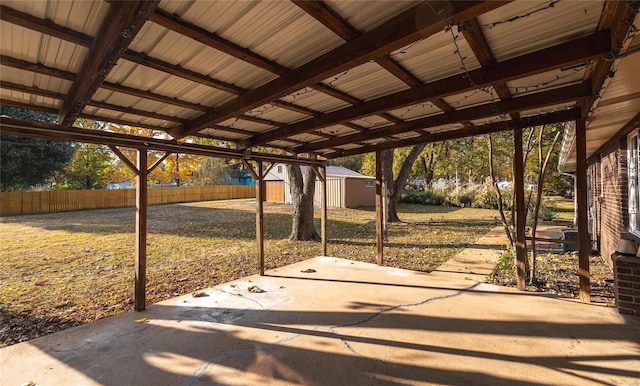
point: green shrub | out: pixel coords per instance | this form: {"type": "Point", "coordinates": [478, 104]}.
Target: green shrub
{"type": "Point", "coordinates": [427, 197]}
{"type": "Point", "coordinates": [546, 212]}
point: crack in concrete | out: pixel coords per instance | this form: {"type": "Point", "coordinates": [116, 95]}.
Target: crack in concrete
{"type": "Point", "coordinates": [76, 349]}
{"type": "Point", "coordinates": [203, 369]}
{"type": "Point", "coordinates": [331, 329]}
{"type": "Point", "coordinates": [388, 309]}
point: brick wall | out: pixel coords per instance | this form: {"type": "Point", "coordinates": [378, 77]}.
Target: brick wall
{"type": "Point", "coordinates": [609, 200]}
{"type": "Point", "coordinates": [627, 281]}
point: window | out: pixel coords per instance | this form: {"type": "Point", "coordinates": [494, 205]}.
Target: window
{"type": "Point", "coordinates": [633, 157]}
{"type": "Point", "coordinates": [279, 169]}
{"type": "Point", "coordinates": [369, 183]}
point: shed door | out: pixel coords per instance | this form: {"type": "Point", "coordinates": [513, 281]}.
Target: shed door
{"type": "Point", "coordinates": [274, 191]}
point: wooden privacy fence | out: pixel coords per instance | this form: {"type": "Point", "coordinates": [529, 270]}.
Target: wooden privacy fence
{"type": "Point", "coordinates": [15, 203]}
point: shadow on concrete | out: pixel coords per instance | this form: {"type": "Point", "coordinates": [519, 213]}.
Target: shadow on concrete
{"type": "Point", "coordinates": [316, 358]}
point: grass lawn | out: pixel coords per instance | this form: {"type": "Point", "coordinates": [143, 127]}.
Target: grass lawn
{"type": "Point", "coordinates": [64, 269]}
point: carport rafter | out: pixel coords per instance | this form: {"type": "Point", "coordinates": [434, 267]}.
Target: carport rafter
{"type": "Point", "coordinates": [494, 127]}
{"type": "Point", "coordinates": [552, 97]}
{"type": "Point", "coordinates": [20, 127]}
{"type": "Point", "coordinates": [120, 26]}
{"type": "Point", "coordinates": [396, 33]}
{"type": "Point", "coordinates": [566, 54]}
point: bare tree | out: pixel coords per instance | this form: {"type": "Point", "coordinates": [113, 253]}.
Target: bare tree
{"type": "Point", "coordinates": [542, 168]}
{"type": "Point", "coordinates": [494, 183]}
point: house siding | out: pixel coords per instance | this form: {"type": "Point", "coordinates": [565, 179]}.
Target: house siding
{"type": "Point", "coordinates": [609, 198]}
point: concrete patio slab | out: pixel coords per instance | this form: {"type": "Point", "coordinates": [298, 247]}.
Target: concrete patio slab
{"type": "Point", "coordinates": [347, 323]}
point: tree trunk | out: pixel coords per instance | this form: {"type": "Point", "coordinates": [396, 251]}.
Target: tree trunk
{"type": "Point", "coordinates": [536, 208]}
{"type": "Point", "coordinates": [494, 183]}
{"type": "Point", "coordinates": [394, 187]}
{"type": "Point", "coordinates": [428, 162]}
{"type": "Point", "coordinates": [302, 191]}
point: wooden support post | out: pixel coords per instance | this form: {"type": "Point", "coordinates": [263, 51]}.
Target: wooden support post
{"type": "Point", "coordinates": [584, 243]}
{"type": "Point", "coordinates": [323, 213]}
{"type": "Point", "coordinates": [260, 216]}
{"type": "Point", "coordinates": [379, 214]}
{"type": "Point", "coordinates": [141, 230]}
{"type": "Point", "coordinates": [521, 211]}
{"type": "Point", "coordinates": [258, 174]}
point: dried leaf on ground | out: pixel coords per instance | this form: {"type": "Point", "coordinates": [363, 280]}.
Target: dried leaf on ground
{"type": "Point", "coordinates": [86, 256]}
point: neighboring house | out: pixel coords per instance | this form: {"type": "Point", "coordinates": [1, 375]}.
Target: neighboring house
{"type": "Point", "coordinates": [240, 177]}
{"type": "Point", "coordinates": [345, 188]}
{"type": "Point", "coordinates": [120, 185]}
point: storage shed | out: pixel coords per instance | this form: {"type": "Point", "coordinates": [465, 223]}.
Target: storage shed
{"type": "Point", "coordinates": [345, 188]}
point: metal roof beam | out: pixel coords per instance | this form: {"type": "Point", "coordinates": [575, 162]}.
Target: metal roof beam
{"type": "Point", "coordinates": [570, 53]}
{"type": "Point", "coordinates": [120, 26]}
{"type": "Point", "coordinates": [415, 24]}
{"type": "Point", "coordinates": [542, 119]}
{"type": "Point", "coordinates": [538, 100]}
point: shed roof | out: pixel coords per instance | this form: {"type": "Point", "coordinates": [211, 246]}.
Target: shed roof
{"type": "Point", "coordinates": [340, 171]}
{"type": "Point", "coordinates": [329, 78]}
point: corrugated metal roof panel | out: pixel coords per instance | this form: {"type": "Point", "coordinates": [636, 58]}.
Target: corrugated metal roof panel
{"type": "Point", "coordinates": [224, 134]}
{"type": "Point", "coordinates": [444, 128]}
{"type": "Point", "coordinates": [409, 134]}
{"type": "Point", "coordinates": [482, 121]}
{"type": "Point", "coordinates": [547, 109]}
{"type": "Point", "coordinates": [348, 146]}
{"type": "Point", "coordinates": [545, 81]}
{"type": "Point", "coordinates": [437, 57]}
{"type": "Point", "coordinates": [371, 121]}
{"type": "Point", "coordinates": [550, 26]}
{"type": "Point", "coordinates": [366, 81]}
{"type": "Point", "coordinates": [273, 29]}
{"type": "Point", "coordinates": [144, 78]}
{"type": "Point", "coordinates": [27, 78]}
{"type": "Point", "coordinates": [246, 125]}
{"type": "Point", "coordinates": [416, 111]}
{"type": "Point", "coordinates": [282, 143]}
{"type": "Point", "coordinates": [126, 100]}
{"type": "Point", "coordinates": [25, 44]}
{"type": "Point", "coordinates": [338, 130]}
{"type": "Point", "coordinates": [472, 98]}
{"type": "Point", "coordinates": [365, 16]}
{"type": "Point", "coordinates": [307, 137]}
{"type": "Point", "coordinates": [128, 117]}
{"type": "Point", "coordinates": [80, 15]}
{"type": "Point", "coordinates": [315, 100]}
{"type": "Point", "coordinates": [277, 114]}
{"type": "Point", "coordinates": [169, 46]}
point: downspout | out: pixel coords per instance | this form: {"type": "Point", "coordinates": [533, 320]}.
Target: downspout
{"type": "Point", "coordinates": [575, 200]}
{"type": "Point", "coordinates": [568, 144]}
